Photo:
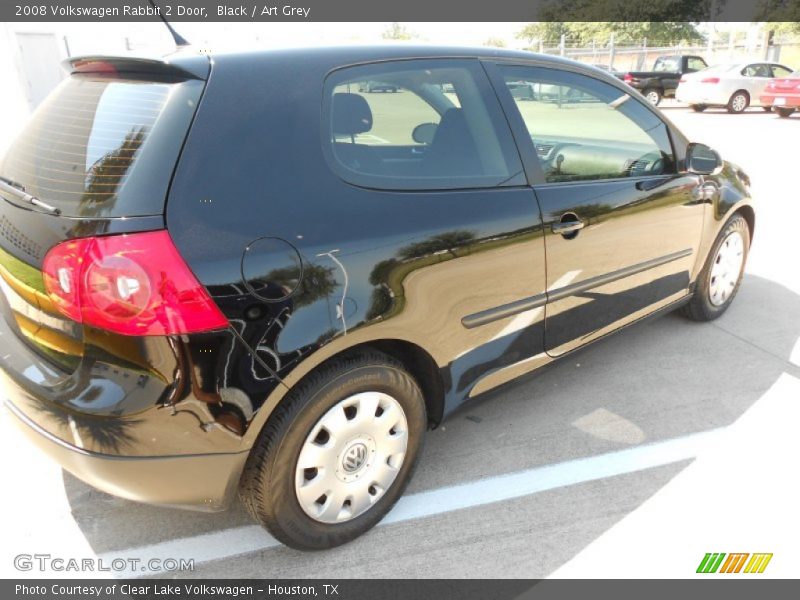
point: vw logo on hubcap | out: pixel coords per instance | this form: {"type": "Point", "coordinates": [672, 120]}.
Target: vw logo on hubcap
{"type": "Point", "coordinates": [354, 458]}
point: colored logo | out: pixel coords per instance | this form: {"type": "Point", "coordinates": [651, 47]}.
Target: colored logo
{"type": "Point", "coordinates": [719, 562]}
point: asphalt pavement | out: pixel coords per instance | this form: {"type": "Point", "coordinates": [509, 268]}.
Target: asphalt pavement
{"type": "Point", "coordinates": [632, 458]}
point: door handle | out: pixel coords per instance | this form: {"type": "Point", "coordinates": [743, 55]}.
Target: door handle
{"type": "Point", "coordinates": [567, 227]}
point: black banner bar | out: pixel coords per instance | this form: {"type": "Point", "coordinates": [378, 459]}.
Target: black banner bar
{"type": "Point", "coordinates": [402, 10]}
{"type": "Point", "coordinates": [397, 589]}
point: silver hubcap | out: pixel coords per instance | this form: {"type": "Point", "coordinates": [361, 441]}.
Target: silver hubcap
{"type": "Point", "coordinates": [652, 97]}
{"type": "Point", "coordinates": [726, 269]}
{"type": "Point", "coordinates": [351, 457]}
{"type": "Point", "coordinates": [739, 103]}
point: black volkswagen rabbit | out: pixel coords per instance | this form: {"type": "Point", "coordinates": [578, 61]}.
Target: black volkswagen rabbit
{"type": "Point", "coordinates": [249, 274]}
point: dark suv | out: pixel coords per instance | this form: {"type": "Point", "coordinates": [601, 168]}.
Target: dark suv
{"type": "Point", "coordinates": [246, 275]}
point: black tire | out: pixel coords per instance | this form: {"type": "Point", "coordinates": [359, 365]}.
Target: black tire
{"type": "Point", "coordinates": [766, 108]}
{"type": "Point", "coordinates": [267, 487]}
{"type": "Point", "coordinates": [700, 307]}
{"type": "Point", "coordinates": [653, 96]}
{"type": "Point", "coordinates": [785, 112]}
{"type": "Point", "coordinates": [698, 107]}
{"type": "Point", "coordinates": [734, 106]}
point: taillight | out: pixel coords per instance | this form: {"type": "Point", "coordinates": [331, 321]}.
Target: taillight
{"type": "Point", "coordinates": [682, 80]}
{"type": "Point", "coordinates": [133, 284]}
{"type": "Point", "coordinates": [627, 78]}
{"type": "Point", "coordinates": [710, 80]}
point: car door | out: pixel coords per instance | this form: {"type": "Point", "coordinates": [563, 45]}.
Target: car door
{"type": "Point", "coordinates": [756, 76]}
{"type": "Point", "coordinates": [622, 225]}
{"type": "Point", "coordinates": [469, 252]}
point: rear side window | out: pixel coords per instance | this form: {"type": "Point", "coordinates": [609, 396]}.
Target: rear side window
{"type": "Point", "coordinates": [584, 129]}
{"type": "Point", "coordinates": [416, 125]}
{"type": "Point", "coordinates": [104, 146]}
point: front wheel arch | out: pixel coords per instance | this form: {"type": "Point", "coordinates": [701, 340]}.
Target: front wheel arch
{"type": "Point", "coordinates": [749, 215]}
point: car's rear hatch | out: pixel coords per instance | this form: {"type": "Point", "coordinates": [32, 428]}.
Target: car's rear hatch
{"type": "Point", "coordinates": [95, 158]}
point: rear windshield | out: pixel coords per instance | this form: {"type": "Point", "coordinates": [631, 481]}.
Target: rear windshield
{"type": "Point", "coordinates": [103, 146]}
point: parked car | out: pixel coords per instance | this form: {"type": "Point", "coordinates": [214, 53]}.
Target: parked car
{"type": "Point", "coordinates": [197, 300]}
{"type": "Point", "coordinates": [783, 94]}
{"type": "Point", "coordinates": [734, 86]}
{"type": "Point", "coordinates": [376, 86]}
{"type": "Point", "coordinates": [663, 79]}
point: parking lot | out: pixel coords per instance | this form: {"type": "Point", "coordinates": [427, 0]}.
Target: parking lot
{"type": "Point", "coordinates": [633, 458]}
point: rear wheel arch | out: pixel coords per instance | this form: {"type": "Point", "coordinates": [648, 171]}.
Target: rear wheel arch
{"type": "Point", "coordinates": [421, 365]}
{"type": "Point", "coordinates": [417, 361]}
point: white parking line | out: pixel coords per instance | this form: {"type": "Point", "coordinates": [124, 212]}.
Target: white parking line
{"type": "Point", "coordinates": [252, 538]}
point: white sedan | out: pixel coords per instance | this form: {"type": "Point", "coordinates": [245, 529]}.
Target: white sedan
{"type": "Point", "coordinates": [734, 86]}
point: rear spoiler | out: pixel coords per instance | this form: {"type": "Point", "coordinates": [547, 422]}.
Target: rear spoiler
{"type": "Point", "coordinates": [186, 67]}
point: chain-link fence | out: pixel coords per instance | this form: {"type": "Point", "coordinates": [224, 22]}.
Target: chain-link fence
{"type": "Point", "coordinates": [641, 57]}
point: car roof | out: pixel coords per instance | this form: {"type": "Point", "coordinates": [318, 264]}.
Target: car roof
{"type": "Point", "coordinates": [388, 51]}
{"type": "Point", "coordinates": [327, 58]}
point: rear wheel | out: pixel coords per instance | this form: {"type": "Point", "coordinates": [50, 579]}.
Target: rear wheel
{"type": "Point", "coordinates": [337, 454]}
{"type": "Point", "coordinates": [699, 107]}
{"type": "Point", "coordinates": [721, 276]}
{"type": "Point", "coordinates": [738, 102]}
{"type": "Point", "coordinates": [652, 95]}
{"type": "Point", "coordinates": [785, 112]}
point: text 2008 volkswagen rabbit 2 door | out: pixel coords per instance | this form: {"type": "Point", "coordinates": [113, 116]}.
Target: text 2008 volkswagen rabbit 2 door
{"type": "Point", "coordinates": [271, 274]}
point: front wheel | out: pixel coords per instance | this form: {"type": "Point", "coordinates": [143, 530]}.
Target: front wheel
{"type": "Point", "coordinates": [337, 454]}
{"type": "Point", "coordinates": [785, 112]}
{"type": "Point", "coordinates": [722, 273]}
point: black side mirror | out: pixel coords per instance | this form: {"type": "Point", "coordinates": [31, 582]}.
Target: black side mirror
{"type": "Point", "coordinates": [423, 133]}
{"type": "Point", "coordinates": [702, 160]}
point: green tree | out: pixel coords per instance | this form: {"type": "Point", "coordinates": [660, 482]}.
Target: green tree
{"type": "Point", "coordinates": [448, 241]}
{"type": "Point", "coordinates": [495, 42]}
{"type": "Point", "coordinates": [619, 12]}
{"type": "Point", "coordinates": [549, 32]}
{"type": "Point", "coordinates": [395, 31]}
{"type": "Point", "coordinates": [634, 32]}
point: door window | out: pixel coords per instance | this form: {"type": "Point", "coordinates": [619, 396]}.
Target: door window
{"type": "Point", "coordinates": [419, 124]}
{"type": "Point", "coordinates": [586, 129]}
{"type": "Point", "coordinates": [756, 71]}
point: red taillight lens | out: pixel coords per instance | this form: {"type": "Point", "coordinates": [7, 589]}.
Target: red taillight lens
{"type": "Point", "coordinates": [62, 266]}
{"type": "Point", "coordinates": [710, 80]}
{"type": "Point", "coordinates": [682, 80]}
{"type": "Point", "coordinates": [627, 78]}
{"type": "Point", "coordinates": [133, 284]}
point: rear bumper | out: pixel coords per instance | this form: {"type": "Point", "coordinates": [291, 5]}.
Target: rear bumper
{"type": "Point", "coordinates": [205, 482]}
{"type": "Point", "coordinates": [788, 100]}
{"type": "Point", "coordinates": [700, 96]}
